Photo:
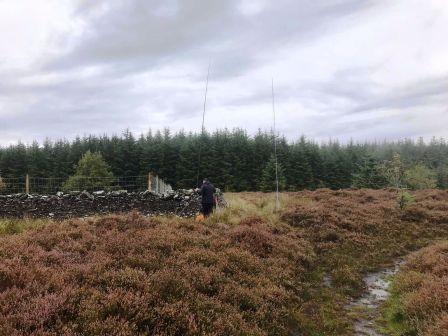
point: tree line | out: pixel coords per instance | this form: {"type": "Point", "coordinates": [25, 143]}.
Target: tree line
{"type": "Point", "coordinates": [236, 161]}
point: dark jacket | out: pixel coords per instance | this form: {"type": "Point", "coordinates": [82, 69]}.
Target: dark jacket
{"type": "Point", "coordinates": [207, 192]}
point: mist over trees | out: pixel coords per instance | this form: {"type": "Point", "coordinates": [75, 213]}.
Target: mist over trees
{"type": "Point", "coordinates": [235, 161]}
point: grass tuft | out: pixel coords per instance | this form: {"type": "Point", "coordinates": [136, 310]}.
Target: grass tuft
{"type": "Point", "coordinates": [15, 226]}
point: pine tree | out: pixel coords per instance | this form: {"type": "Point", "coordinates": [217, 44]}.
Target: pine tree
{"type": "Point", "coordinates": [262, 149]}
{"type": "Point", "coordinates": [170, 158]}
{"type": "Point", "coordinates": [186, 167]}
{"type": "Point", "coordinates": [268, 178]}
{"type": "Point", "coordinates": [128, 154]}
{"type": "Point", "coordinates": [234, 160]}
{"type": "Point", "coordinates": [314, 158]}
{"type": "Point", "coordinates": [337, 167]}
{"type": "Point", "coordinates": [91, 173]}
{"type": "Point", "coordinates": [370, 175]}
{"type": "Point", "coordinates": [220, 160]}
{"type": "Point", "coordinates": [442, 176]}
{"type": "Point", "coordinates": [38, 161]}
{"type": "Point", "coordinates": [14, 161]}
{"type": "Point", "coordinates": [299, 174]}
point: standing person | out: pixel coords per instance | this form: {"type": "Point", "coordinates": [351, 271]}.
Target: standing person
{"type": "Point", "coordinates": [207, 193]}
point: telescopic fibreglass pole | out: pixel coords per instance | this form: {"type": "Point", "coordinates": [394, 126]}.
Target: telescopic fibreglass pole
{"type": "Point", "coordinates": [277, 201]}
{"type": "Point", "coordinates": [203, 125]}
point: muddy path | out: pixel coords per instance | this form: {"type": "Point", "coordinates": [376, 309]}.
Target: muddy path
{"type": "Point", "coordinates": [366, 309]}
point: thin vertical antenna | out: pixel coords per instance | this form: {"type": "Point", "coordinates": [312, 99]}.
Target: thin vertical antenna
{"type": "Point", "coordinates": [277, 202]}
{"type": "Point", "coordinates": [205, 99]}
{"type": "Point", "coordinates": [203, 125]}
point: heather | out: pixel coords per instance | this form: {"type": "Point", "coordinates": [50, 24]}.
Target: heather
{"type": "Point", "coordinates": [247, 270]}
{"type": "Point", "coordinates": [352, 232]}
{"type": "Point", "coordinates": [355, 231]}
{"type": "Point", "coordinates": [130, 275]}
{"type": "Point", "coordinates": [419, 303]}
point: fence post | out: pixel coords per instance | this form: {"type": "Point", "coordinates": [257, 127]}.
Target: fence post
{"type": "Point", "coordinates": [27, 184]}
{"type": "Point", "coordinates": [149, 182]}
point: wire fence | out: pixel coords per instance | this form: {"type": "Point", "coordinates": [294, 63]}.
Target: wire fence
{"type": "Point", "coordinates": [52, 185]}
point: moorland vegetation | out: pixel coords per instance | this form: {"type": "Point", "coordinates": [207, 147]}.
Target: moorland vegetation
{"type": "Point", "coordinates": [246, 270]}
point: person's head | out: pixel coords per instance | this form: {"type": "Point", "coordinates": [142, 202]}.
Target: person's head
{"type": "Point", "coordinates": [205, 180]}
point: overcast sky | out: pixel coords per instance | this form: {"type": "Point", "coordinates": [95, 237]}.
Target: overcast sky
{"type": "Point", "coordinates": [361, 69]}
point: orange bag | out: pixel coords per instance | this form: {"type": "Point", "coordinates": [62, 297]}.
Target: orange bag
{"type": "Point", "coordinates": [199, 218]}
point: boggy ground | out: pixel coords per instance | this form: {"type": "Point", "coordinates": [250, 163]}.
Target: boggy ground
{"type": "Point", "coordinates": [245, 271]}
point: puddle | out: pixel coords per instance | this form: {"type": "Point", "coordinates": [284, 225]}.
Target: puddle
{"type": "Point", "coordinates": [367, 306]}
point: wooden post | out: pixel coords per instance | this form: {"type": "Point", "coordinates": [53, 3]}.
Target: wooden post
{"type": "Point", "coordinates": [27, 184]}
{"type": "Point", "coordinates": [149, 182]}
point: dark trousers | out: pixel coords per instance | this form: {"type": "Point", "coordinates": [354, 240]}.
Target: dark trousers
{"type": "Point", "coordinates": [207, 209]}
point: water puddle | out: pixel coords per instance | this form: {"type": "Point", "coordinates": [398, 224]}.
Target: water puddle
{"type": "Point", "coordinates": [366, 308]}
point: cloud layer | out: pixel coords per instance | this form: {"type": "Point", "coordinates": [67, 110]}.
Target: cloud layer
{"type": "Point", "coordinates": [343, 69]}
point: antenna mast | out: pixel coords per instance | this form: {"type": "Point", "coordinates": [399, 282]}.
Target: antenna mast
{"type": "Point", "coordinates": [277, 201]}
{"type": "Point", "coordinates": [203, 125]}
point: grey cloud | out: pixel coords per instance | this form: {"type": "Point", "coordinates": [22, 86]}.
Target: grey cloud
{"type": "Point", "coordinates": [128, 41]}
{"type": "Point", "coordinates": [356, 86]}
{"type": "Point", "coordinates": [131, 37]}
{"type": "Point", "coordinates": [426, 92]}
{"type": "Point", "coordinates": [70, 107]}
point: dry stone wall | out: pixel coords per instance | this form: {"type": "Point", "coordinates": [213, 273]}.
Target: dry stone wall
{"type": "Point", "coordinates": [184, 203]}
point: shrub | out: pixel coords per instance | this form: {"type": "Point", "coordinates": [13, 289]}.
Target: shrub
{"type": "Point", "coordinates": [404, 199]}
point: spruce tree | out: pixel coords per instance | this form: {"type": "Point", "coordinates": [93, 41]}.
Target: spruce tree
{"type": "Point", "coordinates": [268, 177]}
{"type": "Point", "coordinates": [299, 174]}
{"type": "Point", "coordinates": [262, 148]}
{"type": "Point", "coordinates": [234, 160]}
{"type": "Point", "coordinates": [186, 167]}
{"type": "Point", "coordinates": [91, 173]}
{"type": "Point", "coordinates": [442, 176]}
{"type": "Point", "coordinates": [370, 175]}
